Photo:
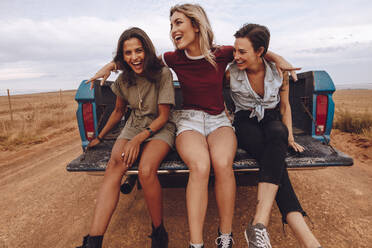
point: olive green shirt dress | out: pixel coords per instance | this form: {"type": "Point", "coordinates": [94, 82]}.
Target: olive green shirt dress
{"type": "Point", "coordinates": [143, 98]}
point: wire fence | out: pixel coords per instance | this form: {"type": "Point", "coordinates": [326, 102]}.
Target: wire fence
{"type": "Point", "coordinates": [3, 92]}
{"type": "Point", "coordinates": [13, 95]}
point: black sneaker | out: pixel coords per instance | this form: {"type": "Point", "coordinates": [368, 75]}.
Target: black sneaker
{"type": "Point", "coordinates": [159, 237]}
{"type": "Point", "coordinates": [224, 240]}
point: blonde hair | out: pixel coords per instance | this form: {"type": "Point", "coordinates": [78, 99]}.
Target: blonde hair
{"type": "Point", "coordinates": [199, 20]}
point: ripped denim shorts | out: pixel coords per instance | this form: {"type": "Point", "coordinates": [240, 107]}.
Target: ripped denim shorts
{"type": "Point", "coordinates": [200, 121]}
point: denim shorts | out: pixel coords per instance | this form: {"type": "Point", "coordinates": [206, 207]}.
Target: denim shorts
{"type": "Point", "coordinates": [200, 121]}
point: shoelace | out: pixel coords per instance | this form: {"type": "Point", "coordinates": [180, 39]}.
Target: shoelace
{"type": "Point", "coordinates": [224, 240]}
{"type": "Point", "coordinates": [262, 238]}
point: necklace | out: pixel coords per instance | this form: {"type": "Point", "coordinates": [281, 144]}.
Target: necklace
{"type": "Point", "coordinates": [139, 98]}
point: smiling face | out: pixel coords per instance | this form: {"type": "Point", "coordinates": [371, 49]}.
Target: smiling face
{"type": "Point", "coordinates": [134, 54]}
{"type": "Point", "coordinates": [244, 54]}
{"type": "Point", "coordinates": [183, 33]}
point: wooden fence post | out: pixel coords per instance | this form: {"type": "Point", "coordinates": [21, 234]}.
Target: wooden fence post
{"type": "Point", "coordinates": [60, 97]}
{"type": "Point", "coordinates": [10, 107]}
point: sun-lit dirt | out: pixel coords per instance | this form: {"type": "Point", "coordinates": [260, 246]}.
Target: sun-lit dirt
{"type": "Point", "coordinates": [43, 205]}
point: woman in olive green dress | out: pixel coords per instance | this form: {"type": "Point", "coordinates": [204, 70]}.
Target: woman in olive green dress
{"type": "Point", "coordinates": [147, 88]}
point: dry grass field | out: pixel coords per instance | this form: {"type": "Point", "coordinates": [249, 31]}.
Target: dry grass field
{"type": "Point", "coordinates": [353, 111]}
{"type": "Point", "coordinates": [36, 118]}
{"type": "Point", "coordinates": [356, 101]}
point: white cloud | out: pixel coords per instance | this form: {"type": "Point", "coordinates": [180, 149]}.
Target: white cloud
{"type": "Point", "coordinates": [19, 73]}
{"type": "Point", "coordinates": [43, 42]}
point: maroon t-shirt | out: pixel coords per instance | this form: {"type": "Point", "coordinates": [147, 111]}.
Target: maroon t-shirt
{"type": "Point", "coordinates": [200, 82]}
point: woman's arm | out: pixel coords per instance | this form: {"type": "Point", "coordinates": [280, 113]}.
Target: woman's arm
{"type": "Point", "coordinates": [285, 110]}
{"type": "Point", "coordinates": [281, 64]}
{"type": "Point", "coordinates": [160, 58]}
{"type": "Point", "coordinates": [132, 148]}
{"type": "Point", "coordinates": [226, 84]}
{"type": "Point", "coordinates": [226, 79]}
{"type": "Point", "coordinates": [115, 117]}
{"type": "Point", "coordinates": [103, 73]}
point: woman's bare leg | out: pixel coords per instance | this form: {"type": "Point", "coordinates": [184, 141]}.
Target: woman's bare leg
{"type": "Point", "coordinates": [301, 230]}
{"type": "Point", "coordinates": [108, 194]}
{"type": "Point", "coordinates": [193, 149]}
{"type": "Point", "coordinates": [222, 146]}
{"type": "Point", "coordinates": [153, 154]}
{"type": "Point", "coordinates": [266, 193]}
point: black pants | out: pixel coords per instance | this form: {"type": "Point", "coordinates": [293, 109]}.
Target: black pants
{"type": "Point", "coordinates": [267, 142]}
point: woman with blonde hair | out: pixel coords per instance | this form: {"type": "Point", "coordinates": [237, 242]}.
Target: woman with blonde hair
{"type": "Point", "coordinates": [204, 135]}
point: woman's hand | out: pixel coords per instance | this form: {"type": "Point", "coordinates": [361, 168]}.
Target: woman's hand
{"type": "Point", "coordinates": [297, 147]}
{"type": "Point", "coordinates": [93, 143]}
{"type": "Point", "coordinates": [231, 119]}
{"type": "Point", "coordinates": [283, 65]}
{"type": "Point", "coordinates": [103, 73]}
{"type": "Point", "coordinates": [131, 151]}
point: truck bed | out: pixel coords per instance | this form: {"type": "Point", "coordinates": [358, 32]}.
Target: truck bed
{"type": "Point", "coordinates": [317, 153]}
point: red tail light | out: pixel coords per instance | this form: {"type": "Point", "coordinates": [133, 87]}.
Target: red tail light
{"type": "Point", "coordinates": [321, 114]}
{"type": "Point", "coordinates": [88, 121]}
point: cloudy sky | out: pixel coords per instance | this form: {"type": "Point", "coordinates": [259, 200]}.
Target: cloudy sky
{"type": "Point", "coordinates": [51, 45]}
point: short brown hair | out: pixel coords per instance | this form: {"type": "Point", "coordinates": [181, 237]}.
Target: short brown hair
{"type": "Point", "coordinates": [152, 66]}
{"type": "Point", "coordinates": [258, 35]}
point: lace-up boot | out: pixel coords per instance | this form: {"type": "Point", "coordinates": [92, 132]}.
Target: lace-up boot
{"type": "Point", "coordinates": [159, 237]}
{"type": "Point", "coordinates": [91, 242]}
{"type": "Point", "coordinates": [224, 240]}
{"type": "Point", "coordinates": [257, 236]}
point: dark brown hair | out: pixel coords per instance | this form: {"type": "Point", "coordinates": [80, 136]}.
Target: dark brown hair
{"type": "Point", "coordinates": [258, 35]}
{"type": "Point", "coordinates": [151, 66]}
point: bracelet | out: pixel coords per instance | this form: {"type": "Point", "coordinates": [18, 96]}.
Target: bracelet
{"type": "Point", "coordinates": [100, 139]}
{"type": "Point", "coordinates": [150, 131]}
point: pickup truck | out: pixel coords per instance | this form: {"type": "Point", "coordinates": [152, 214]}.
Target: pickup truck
{"type": "Point", "coordinates": [312, 116]}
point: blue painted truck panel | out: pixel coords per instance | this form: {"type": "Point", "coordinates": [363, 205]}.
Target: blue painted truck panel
{"type": "Point", "coordinates": [323, 85]}
{"type": "Point", "coordinates": [83, 95]}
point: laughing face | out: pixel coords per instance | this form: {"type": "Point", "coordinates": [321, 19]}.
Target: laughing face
{"type": "Point", "coordinates": [244, 54]}
{"type": "Point", "coordinates": [183, 33]}
{"type": "Point", "coordinates": [134, 54]}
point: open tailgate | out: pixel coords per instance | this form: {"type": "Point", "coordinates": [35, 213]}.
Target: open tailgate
{"type": "Point", "coordinates": [317, 154]}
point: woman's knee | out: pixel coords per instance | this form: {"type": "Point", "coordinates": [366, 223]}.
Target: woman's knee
{"type": "Point", "coordinates": [223, 167]}
{"type": "Point", "coordinates": [199, 170]}
{"type": "Point", "coordinates": [115, 166]}
{"type": "Point", "coordinates": [146, 173]}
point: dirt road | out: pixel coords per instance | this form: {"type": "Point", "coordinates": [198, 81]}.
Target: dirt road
{"type": "Point", "coordinates": [42, 205]}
